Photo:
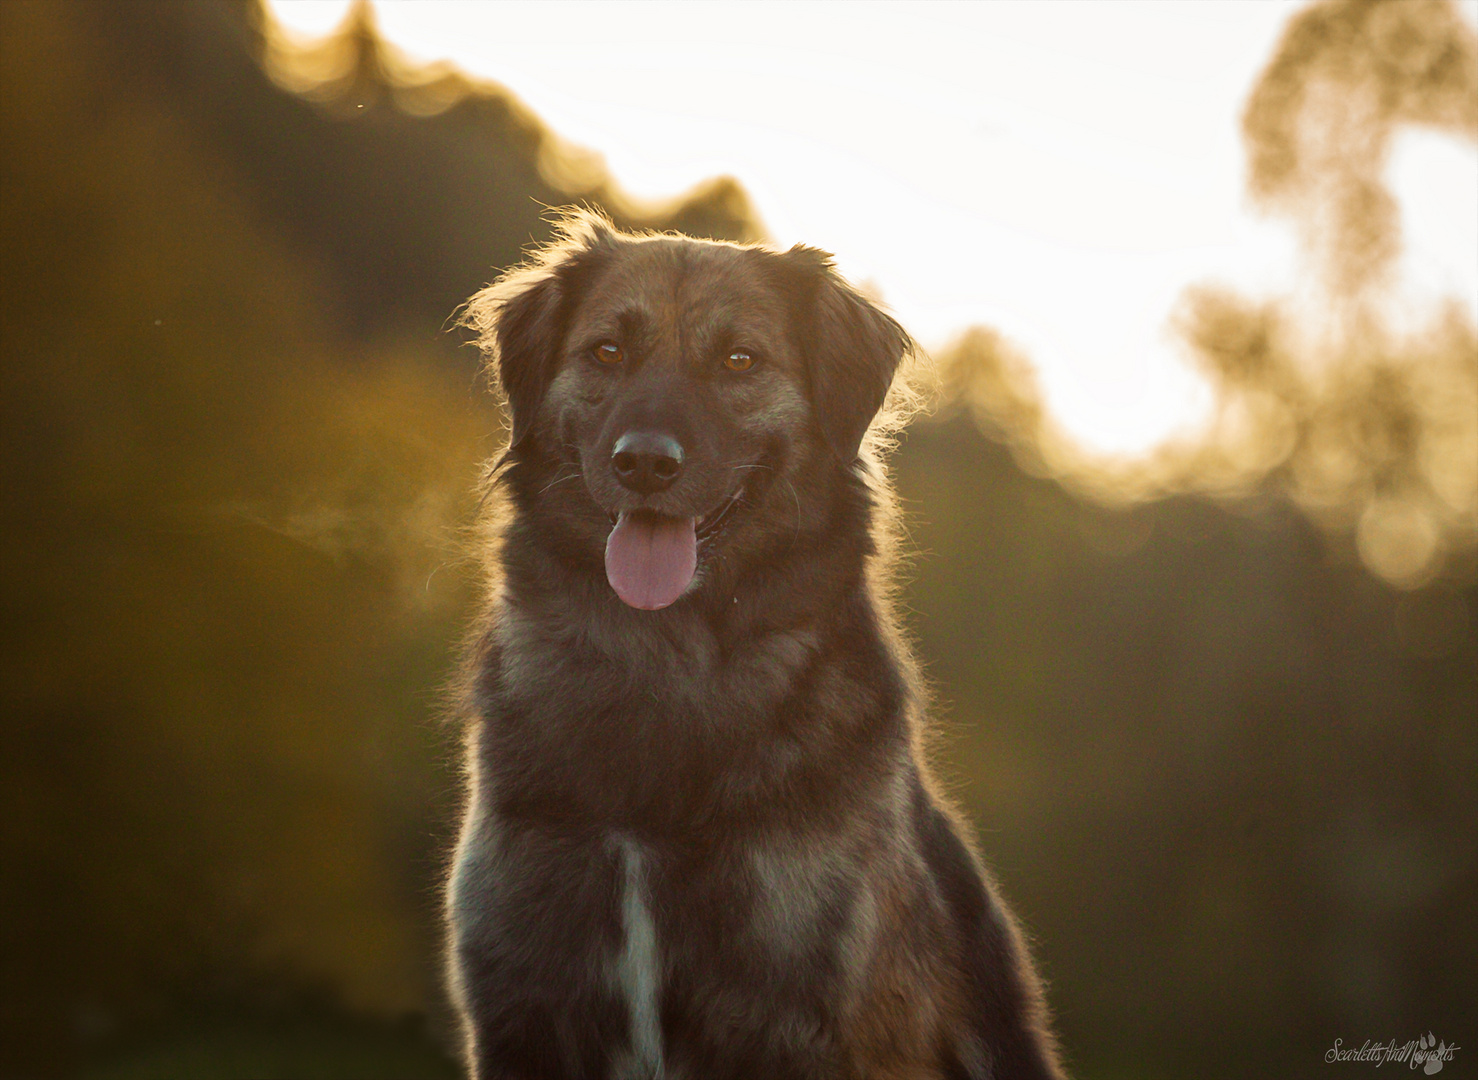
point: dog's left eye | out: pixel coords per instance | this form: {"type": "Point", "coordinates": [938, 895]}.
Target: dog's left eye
{"type": "Point", "coordinates": [739, 360]}
{"type": "Point", "coordinates": [608, 352]}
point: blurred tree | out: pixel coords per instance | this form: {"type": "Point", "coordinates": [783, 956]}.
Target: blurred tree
{"type": "Point", "coordinates": [1356, 401]}
{"type": "Point", "coordinates": [1228, 782]}
{"type": "Point", "coordinates": [235, 457]}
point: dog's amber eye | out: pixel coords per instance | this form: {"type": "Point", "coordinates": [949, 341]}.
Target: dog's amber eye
{"type": "Point", "coordinates": [739, 360]}
{"type": "Point", "coordinates": [608, 352]}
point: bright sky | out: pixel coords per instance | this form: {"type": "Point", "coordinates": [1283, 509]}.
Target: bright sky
{"type": "Point", "coordinates": [1061, 171]}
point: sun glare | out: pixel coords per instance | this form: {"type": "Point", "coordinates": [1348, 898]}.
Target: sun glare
{"type": "Point", "coordinates": [1062, 172]}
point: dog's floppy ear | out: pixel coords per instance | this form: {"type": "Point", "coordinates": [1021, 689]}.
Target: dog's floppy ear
{"type": "Point", "coordinates": [520, 319]}
{"type": "Point", "coordinates": [525, 339]}
{"type": "Point", "coordinates": [852, 349]}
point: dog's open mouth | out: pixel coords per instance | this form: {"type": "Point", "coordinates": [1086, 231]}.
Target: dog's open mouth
{"type": "Point", "coordinates": [651, 558]}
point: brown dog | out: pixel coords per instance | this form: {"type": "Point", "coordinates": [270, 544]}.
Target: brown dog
{"type": "Point", "coordinates": [701, 842]}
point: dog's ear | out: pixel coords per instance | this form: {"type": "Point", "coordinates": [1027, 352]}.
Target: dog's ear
{"type": "Point", "coordinates": [520, 319]}
{"type": "Point", "coordinates": [852, 349]}
{"type": "Point", "coordinates": [526, 336]}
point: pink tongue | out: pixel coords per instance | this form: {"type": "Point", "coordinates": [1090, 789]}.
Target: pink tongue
{"type": "Point", "coordinates": [650, 560]}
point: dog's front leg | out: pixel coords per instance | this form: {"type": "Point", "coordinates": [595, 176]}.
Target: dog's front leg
{"type": "Point", "coordinates": [534, 924]}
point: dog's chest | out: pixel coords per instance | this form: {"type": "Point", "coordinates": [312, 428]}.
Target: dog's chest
{"type": "Point", "coordinates": [689, 949]}
{"type": "Point", "coordinates": [636, 967]}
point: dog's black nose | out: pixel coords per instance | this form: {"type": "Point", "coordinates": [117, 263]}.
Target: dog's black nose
{"type": "Point", "coordinates": [647, 461]}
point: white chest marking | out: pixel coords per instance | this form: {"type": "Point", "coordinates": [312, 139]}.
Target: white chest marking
{"type": "Point", "coordinates": [638, 970]}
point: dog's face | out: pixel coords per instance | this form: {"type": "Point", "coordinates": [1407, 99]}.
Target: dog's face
{"type": "Point", "coordinates": [678, 379]}
{"type": "Point", "coordinates": [694, 387]}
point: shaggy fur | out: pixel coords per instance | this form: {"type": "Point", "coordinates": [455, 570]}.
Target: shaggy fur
{"type": "Point", "coordinates": [701, 841]}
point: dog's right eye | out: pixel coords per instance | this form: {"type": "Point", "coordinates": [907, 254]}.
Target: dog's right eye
{"type": "Point", "coordinates": [608, 352]}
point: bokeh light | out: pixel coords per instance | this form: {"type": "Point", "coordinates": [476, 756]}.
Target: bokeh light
{"type": "Point", "coordinates": [1058, 171]}
{"type": "Point", "coordinates": [1070, 176]}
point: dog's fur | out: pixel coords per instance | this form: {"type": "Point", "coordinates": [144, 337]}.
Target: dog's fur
{"type": "Point", "coordinates": [701, 841]}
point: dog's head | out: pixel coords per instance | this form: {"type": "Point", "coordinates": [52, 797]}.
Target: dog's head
{"type": "Point", "coordinates": [688, 383]}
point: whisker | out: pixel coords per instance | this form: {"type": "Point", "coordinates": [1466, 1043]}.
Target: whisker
{"type": "Point", "coordinates": [793, 494]}
{"type": "Point", "coordinates": [797, 499]}
{"type": "Point", "coordinates": [556, 482]}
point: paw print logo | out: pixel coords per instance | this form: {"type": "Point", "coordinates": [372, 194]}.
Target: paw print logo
{"type": "Point", "coordinates": [1433, 1057]}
